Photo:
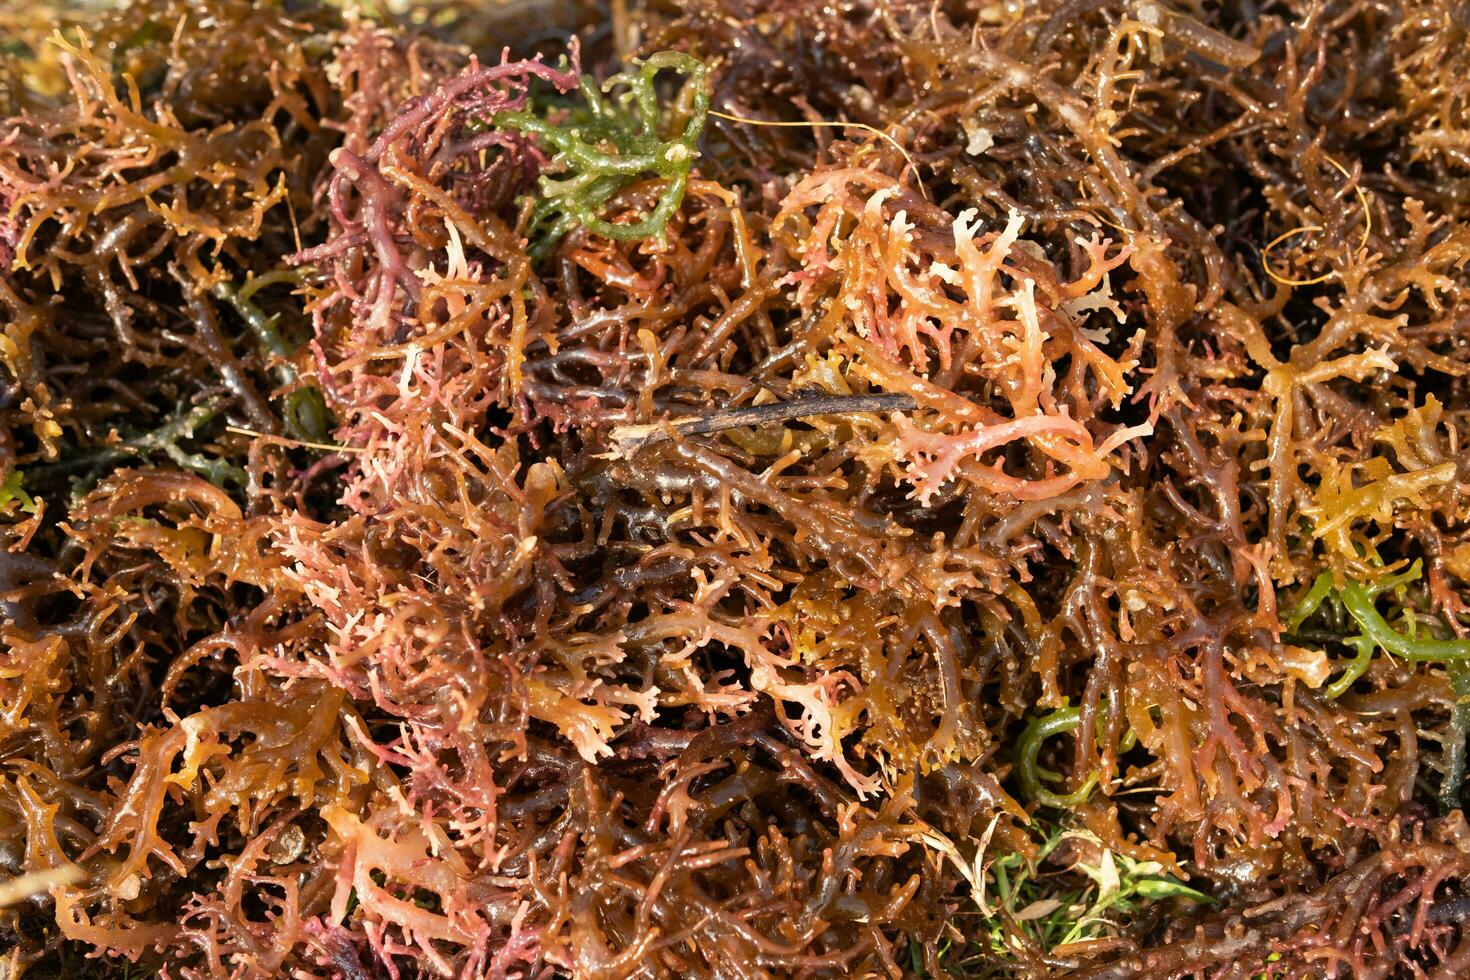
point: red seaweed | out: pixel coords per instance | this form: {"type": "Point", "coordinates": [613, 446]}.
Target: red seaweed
{"type": "Point", "coordinates": [765, 489]}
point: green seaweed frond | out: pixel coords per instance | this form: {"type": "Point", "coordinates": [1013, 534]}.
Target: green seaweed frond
{"type": "Point", "coordinates": [1072, 889]}
{"type": "Point", "coordinates": [12, 490]}
{"type": "Point", "coordinates": [1359, 601]}
{"type": "Point", "coordinates": [617, 135]}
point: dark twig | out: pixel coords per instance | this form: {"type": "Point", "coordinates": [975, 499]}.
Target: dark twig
{"type": "Point", "coordinates": [628, 438]}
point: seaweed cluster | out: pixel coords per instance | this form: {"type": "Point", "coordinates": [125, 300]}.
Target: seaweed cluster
{"type": "Point", "coordinates": [765, 489]}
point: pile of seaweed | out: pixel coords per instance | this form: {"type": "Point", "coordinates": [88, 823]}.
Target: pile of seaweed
{"type": "Point", "coordinates": [767, 489]}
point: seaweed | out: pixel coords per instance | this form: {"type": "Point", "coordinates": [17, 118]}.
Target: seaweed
{"type": "Point", "coordinates": [764, 489]}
